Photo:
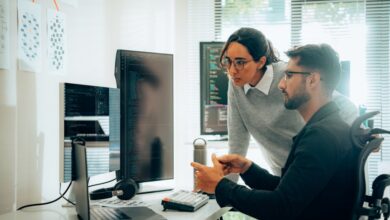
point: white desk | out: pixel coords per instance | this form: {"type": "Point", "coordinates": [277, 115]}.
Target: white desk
{"type": "Point", "coordinates": [211, 211]}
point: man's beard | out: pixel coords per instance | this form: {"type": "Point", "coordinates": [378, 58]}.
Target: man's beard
{"type": "Point", "coordinates": [300, 98]}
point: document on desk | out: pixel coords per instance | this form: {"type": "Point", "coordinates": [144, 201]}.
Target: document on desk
{"type": "Point", "coordinates": [117, 203]}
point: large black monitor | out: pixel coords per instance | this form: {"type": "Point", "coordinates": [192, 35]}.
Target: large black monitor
{"type": "Point", "coordinates": [91, 113]}
{"type": "Point", "coordinates": [213, 90]}
{"type": "Point", "coordinates": [146, 93]}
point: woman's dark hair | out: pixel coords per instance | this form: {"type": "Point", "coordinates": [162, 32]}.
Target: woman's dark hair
{"type": "Point", "coordinates": [255, 42]}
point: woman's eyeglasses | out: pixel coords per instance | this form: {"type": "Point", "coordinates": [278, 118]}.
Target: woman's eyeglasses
{"type": "Point", "coordinates": [239, 64]}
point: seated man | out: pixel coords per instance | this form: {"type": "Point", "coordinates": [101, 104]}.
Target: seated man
{"type": "Point", "coordinates": [317, 180]}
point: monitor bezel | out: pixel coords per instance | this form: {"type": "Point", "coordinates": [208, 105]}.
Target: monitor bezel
{"type": "Point", "coordinates": [204, 86]}
{"type": "Point", "coordinates": [121, 174]}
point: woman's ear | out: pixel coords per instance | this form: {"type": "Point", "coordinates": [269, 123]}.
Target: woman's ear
{"type": "Point", "coordinates": [261, 62]}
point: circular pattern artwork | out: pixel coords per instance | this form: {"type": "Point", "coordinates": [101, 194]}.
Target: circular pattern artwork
{"type": "Point", "coordinates": [3, 27]}
{"type": "Point", "coordinates": [56, 42]}
{"type": "Point", "coordinates": [30, 36]}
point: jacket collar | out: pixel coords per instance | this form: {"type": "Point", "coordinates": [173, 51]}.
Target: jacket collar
{"type": "Point", "coordinates": [323, 112]}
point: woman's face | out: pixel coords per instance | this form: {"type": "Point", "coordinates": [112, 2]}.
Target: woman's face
{"type": "Point", "coordinates": [242, 69]}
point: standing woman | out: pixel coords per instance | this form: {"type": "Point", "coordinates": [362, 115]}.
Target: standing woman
{"type": "Point", "coordinates": [255, 104]}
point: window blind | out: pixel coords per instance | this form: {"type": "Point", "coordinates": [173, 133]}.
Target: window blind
{"type": "Point", "coordinates": [200, 28]}
{"type": "Point", "coordinates": [340, 24]}
{"type": "Point", "coordinates": [378, 74]}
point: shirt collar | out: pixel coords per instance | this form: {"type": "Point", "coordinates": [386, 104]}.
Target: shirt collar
{"type": "Point", "coordinates": [264, 84]}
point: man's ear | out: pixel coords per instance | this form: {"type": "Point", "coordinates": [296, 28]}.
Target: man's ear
{"type": "Point", "coordinates": [315, 79]}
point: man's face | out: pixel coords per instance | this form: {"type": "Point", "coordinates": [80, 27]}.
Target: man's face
{"type": "Point", "coordinates": [293, 85]}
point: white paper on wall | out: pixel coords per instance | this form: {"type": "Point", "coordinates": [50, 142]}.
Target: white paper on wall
{"type": "Point", "coordinates": [29, 36]}
{"type": "Point", "coordinates": [4, 34]}
{"type": "Point", "coordinates": [56, 39]}
{"type": "Point", "coordinates": [74, 3]}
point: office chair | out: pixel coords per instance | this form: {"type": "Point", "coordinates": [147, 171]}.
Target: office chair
{"type": "Point", "coordinates": [366, 140]}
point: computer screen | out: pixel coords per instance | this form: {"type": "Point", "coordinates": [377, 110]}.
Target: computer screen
{"type": "Point", "coordinates": [213, 90]}
{"type": "Point", "coordinates": [146, 94]}
{"type": "Point", "coordinates": [92, 113]}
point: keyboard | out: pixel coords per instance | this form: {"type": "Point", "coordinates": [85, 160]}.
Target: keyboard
{"type": "Point", "coordinates": [107, 213]}
{"type": "Point", "coordinates": [184, 200]}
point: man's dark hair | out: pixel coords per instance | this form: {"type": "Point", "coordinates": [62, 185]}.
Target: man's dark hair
{"type": "Point", "coordinates": [321, 58]}
{"type": "Point", "coordinates": [255, 42]}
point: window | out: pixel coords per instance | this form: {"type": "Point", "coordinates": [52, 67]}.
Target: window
{"type": "Point", "coordinates": [340, 24]}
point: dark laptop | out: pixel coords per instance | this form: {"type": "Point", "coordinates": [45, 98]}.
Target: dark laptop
{"type": "Point", "coordinates": [80, 189]}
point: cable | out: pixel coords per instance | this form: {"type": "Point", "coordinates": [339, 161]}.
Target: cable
{"type": "Point", "coordinates": [63, 195]}
{"type": "Point", "coordinates": [69, 200]}
{"type": "Point", "coordinates": [45, 203]}
{"type": "Point", "coordinates": [97, 184]}
{"type": "Point", "coordinates": [88, 186]}
{"type": "Point", "coordinates": [66, 199]}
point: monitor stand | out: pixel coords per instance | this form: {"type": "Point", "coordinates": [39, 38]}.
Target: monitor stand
{"type": "Point", "coordinates": [70, 197]}
{"type": "Point", "coordinates": [152, 186]}
{"type": "Point", "coordinates": [156, 186]}
{"type": "Point", "coordinates": [218, 137]}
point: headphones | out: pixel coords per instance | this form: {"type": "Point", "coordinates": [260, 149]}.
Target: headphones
{"type": "Point", "coordinates": [124, 189]}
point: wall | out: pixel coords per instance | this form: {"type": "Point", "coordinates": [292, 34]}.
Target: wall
{"type": "Point", "coordinates": [182, 157]}
{"type": "Point", "coordinates": [29, 128]}
{"type": "Point", "coordinates": [8, 138]}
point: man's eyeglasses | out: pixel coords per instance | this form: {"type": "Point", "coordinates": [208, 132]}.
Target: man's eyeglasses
{"type": "Point", "coordinates": [239, 64]}
{"type": "Point", "coordinates": [289, 74]}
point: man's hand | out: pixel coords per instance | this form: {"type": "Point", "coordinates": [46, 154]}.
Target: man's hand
{"type": "Point", "coordinates": [207, 178]}
{"type": "Point", "coordinates": [234, 163]}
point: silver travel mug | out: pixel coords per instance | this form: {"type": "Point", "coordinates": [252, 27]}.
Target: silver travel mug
{"type": "Point", "coordinates": [199, 153]}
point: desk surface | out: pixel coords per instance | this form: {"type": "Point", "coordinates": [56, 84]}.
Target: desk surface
{"type": "Point", "coordinates": [211, 211]}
